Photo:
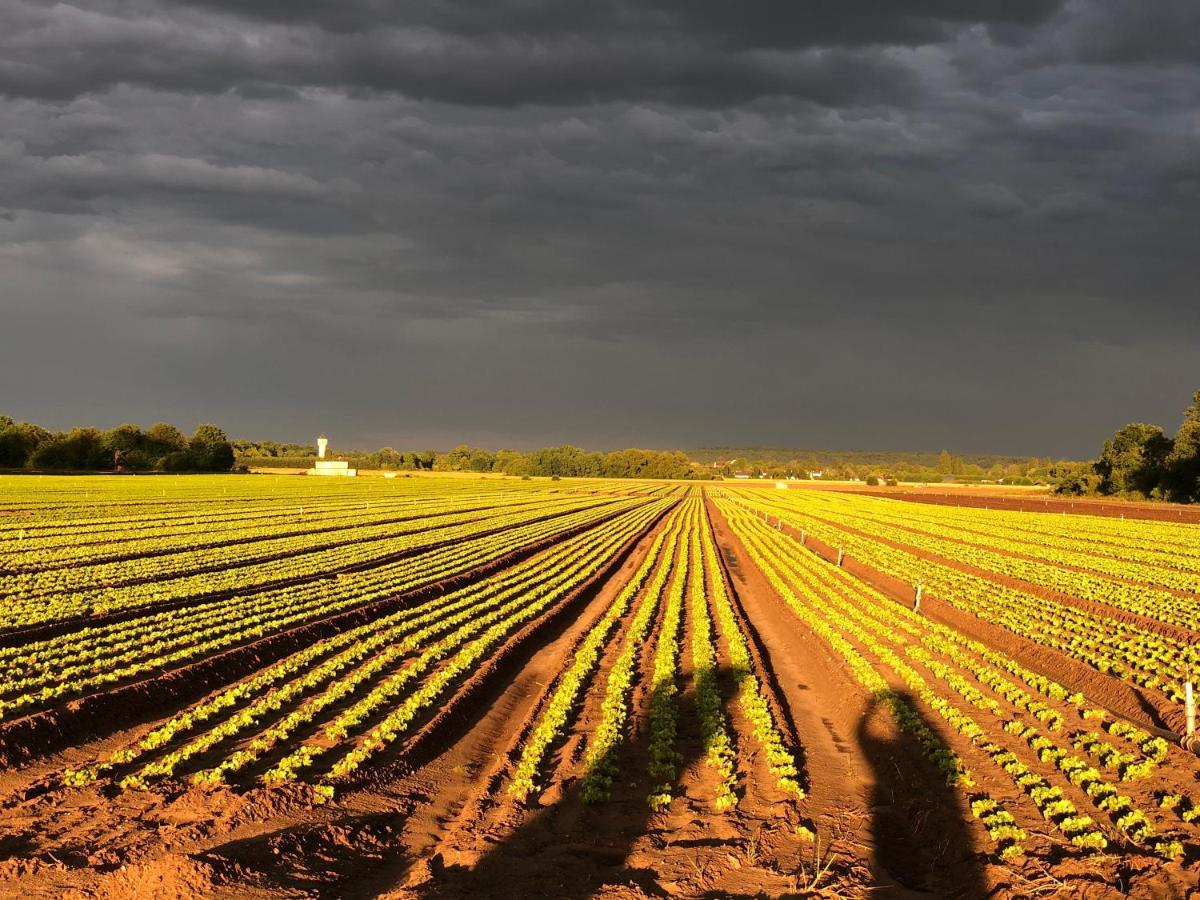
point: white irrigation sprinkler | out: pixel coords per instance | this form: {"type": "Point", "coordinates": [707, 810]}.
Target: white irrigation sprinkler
{"type": "Point", "coordinates": [1189, 704]}
{"type": "Point", "coordinates": [841, 556]}
{"type": "Point", "coordinates": [917, 598]}
{"type": "Point", "coordinates": [803, 537]}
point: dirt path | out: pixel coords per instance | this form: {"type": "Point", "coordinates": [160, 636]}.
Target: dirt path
{"type": "Point", "coordinates": [868, 785]}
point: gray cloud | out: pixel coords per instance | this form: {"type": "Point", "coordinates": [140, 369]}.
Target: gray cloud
{"type": "Point", "coordinates": [879, 224]}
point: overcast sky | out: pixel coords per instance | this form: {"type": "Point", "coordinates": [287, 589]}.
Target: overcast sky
{"type": "Point", "coordinates": [670, 223]}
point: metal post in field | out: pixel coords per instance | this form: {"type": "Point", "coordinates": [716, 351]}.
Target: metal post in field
{"type": "Point", "coordinates": [917, 598]}
{"type": "Point", "coordinates": [1189, 704]}
{"type": "Point", "coordinates": [841, 556]}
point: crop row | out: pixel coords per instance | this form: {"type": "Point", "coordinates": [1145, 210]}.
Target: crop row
{"type": "Point", "coordinates": [32, 555]}
{"type": "Point", "coordinates": [1155, 662]}
{"type": "Point", "coordinates": [887, 630]}
{"type": "Point", "coordinates": [1052, 573]}
{"type": "Point", "coordinates": [273, 546]}
{"type": "Point", "coordinates": [35, 675]}
{"type": "Point", "coordinates": [562, 701]}
{"type": "Point", "coordinates": [781, 761]}
{"type": "Point", "coordinates": [600, 759]}
{"type": "Point", "coordinates": [720, 751]}
{"type": "Point", "coordinates": [368, 659]}
{"type": "Point", "coordinates": [664, 676]}
{"type": "Point", "coordinates": [1176, 565]}
{"type": "Point", "coordinates": [189, 588]}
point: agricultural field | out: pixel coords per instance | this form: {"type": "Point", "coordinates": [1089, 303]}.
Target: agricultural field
{"type": "Point", "coordinates": [273, 686]}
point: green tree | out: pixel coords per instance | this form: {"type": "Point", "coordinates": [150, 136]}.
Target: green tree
{"type": "Point", "coordinates": [162, 439]}
{"type": "Point", "coordinates": [1182, 464]}
{"type": "Point", "coordinates": [387, 458]}
{"type": "Point", "coordinates": [82, 449]}
{"type": "Point", "coordinates": [1132, 461]}
{"type": "Point", "coordinates": [1076, 479]}
{"type": "Point", "coordinates": [945, 464]}
{"type": "Point", "coordinates": [18, 440]}
{"type": "Point", "coordinates": [510, 462]}
{"type": "Point", "coordinates": [127, 447]}
{"type": "Point", "coordinates": [210, 449]}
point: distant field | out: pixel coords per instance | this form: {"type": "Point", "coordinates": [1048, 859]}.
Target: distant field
{"type": "Point", "coordinates": [279, 686]}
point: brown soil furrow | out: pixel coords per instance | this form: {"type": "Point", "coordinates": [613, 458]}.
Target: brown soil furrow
{"type": "Point", "coordinates": [983, 770]}
{"type": "Point", "coordinates": [768, 681]}
{"type": "Point", "coordinates": [492, 805]}
{"type": "Point", "coordinates": [471, 695]}
{"type": "Point", "coordinates": [447, 758]}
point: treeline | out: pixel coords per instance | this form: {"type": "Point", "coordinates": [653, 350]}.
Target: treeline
{"type": "Point", "coordinates": [881, 466]}
{"type": "Point", "coordinates": [572, 461]}
{"type": "Point", "coordinates": [895, 460]}
{"type": "Point", "coordinates": [1141, 461]}
{"type": "Point", "coordinates": [565, 461]}
{"type": "Point", "coordinates": [160, 448]}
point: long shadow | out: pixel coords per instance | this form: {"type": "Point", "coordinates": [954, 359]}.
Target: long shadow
{"type": "Point", "coordinates": [572, 849]}
{"type": "Point", "coordinates": [569, 849]}
{"type": "Point", "coordinates": [357, 854]}
{"type": "Point", "coordinates": [566, 849]}
{"type": "Point", "coordinates": [922, 841]}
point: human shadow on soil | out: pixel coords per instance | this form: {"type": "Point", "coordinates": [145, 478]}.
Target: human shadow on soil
{"type": "Point", "coordinates": [922, 840]}
{"type": "Point", "coordinates": [571, 848]}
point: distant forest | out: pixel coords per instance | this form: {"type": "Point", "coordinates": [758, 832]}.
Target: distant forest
{"type": "Point", "coordinates": [707, 463]}
{"type": "Point", "coordinates": [881, 465]}
{"type": "Point", "coordinates": [565, 461]}
{"type": "Point", "coordinates": [160, 448]}
{"type": "Point", "coordinates": [1140, 461]}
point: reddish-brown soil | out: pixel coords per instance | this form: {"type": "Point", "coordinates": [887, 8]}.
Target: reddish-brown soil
{"type": "Point", "coordinates": [433, 818]}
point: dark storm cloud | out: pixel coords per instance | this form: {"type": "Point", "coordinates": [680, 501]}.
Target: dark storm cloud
{"type": "Point", "coordinates": [665, 222]}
